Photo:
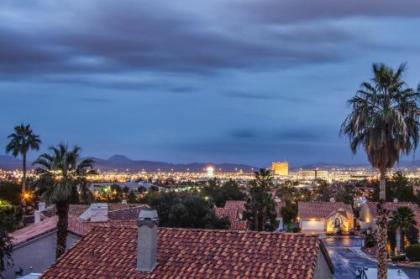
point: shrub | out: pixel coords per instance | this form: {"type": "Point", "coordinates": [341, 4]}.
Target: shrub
{"type": "Point", "coordinates": [10, 217]}
{"type": "Point", "coordinates": [370, 240]}
{"type": "Point", "coordinates": [398, 258]}
{"type": "Point", "coordinates": [413, 252]}
{"type": "Point", "coordinates": [10, 192]}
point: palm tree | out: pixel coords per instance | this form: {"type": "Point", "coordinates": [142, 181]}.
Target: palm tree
{"type": "Point", "coordinates": [260, 207]}
{"type": "Point", "coordinates": [21, 141]}
{"type": "Point", "coordinates": [61, 171]}
{"type": "Point", "coordinates": [385, 121]}
{"type": "Point", "coordinates": [403, 219]}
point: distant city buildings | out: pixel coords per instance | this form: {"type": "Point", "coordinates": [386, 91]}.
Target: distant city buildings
{"type": "Point", "coordinates": [280, 168]}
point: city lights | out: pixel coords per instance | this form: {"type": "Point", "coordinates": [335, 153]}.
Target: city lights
{"type": "Point", "coordinates": [210, 171]}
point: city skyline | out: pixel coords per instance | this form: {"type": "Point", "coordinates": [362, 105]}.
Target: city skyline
{"type": "Point", "coordinates": [226, 81]}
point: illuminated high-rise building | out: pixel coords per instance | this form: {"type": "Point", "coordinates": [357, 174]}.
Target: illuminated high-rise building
{"type": "Point", "coordinates": [280, 168]}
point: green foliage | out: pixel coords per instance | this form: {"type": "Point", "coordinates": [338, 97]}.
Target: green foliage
{"type": "Point", "coordinates": [116, 194]}
{"type": "Point", "coordinates": [413, 252]}
{"type": "Point", "coordinates": [61, 171]}
{"type": "Point", "coordinates": [413, 235]}
{"type": "Point", "coordinates": [220, 194]}
{"type": "Point", "coordinates": [260, 207]}
{"type": "Point", "coordinates": [370, 240]}
{"type": "Point", "coordinates": [287, 192]}
{"type": "Point", "coordinates": [289, 212]}
{"type": "Point", "coordinates": [324, 191]}
{"type": "Point", "coordinates": [184, 210]}
{"type": "Point", "coordinates": [141, 189]}
{"type": "Point", "coordinates": [403, 218]}
{"type": "Point", "coordinates": [10, 218]}
{"type": "Point", "coordinates": [384, 119]}
{"type": "Point", "coordinates": [21, 141]}
{"type": "Point", "coordinates": [398, 187]}
{"type": "Point", "coordinates": [398, 258]}
{"type": "Point", "coordinates": [345, 193]}
{"type": "Point", "coordinates": [153, 188]}
{"type": "Point", "coordinates": [10, 192]}
{"type": "Point", "coordinates": [132, 197]}
{"type": "Point", "coordinates": [392, 240]}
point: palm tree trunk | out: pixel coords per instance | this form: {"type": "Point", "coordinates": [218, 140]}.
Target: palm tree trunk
{"type": "Point", "coordinates": [24, 173]}
{"type": "Point", "coordinates": [62, 224]}
{"type": "Point", "coordinates": [402, 241]}
{"type": "Point", "coordinates": [23, 190]}
{"type": "Point", "coordinates": [382, 236]}
{"type": "Point", "coordinates": [256, 219]}
{"type": "Point", "coordinates": [382, 184]}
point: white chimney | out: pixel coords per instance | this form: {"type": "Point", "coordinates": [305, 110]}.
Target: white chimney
{"type": "Point", "coordinates": [332, 200]}
{"type": "Point", "coordinates": [147, 240]}
{"type": "Point", "coordinates": [37, 216]}
{"type": "Point", "coordinates": [41, 206]}
{"type": "Point", "coordinates": [395, 200]}
{"type": "Point", "coordinates": [124, 202]}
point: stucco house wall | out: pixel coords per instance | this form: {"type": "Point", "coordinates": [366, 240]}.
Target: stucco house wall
{"type": "Point", "coordinates": [322, 270]}
{"type": "Point", "coordinates": [37, 254]}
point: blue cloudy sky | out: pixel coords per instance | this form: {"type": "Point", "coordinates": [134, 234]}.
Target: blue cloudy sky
{"type": "Point", "coordinates": [247, 81]}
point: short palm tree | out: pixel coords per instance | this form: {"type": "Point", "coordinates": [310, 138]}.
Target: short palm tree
{"type": "Point", "coordinates": [403, 219]}
{"type": "Point", "coordinates": [21, 141]}
{"type": "Point", "coordinates": [61, 171]}
{"type": "Point", "coordinates": [385, 121]}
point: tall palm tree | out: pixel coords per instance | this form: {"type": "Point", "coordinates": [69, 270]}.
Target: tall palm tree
{"type": "Point", "coordinates": [402, 219]}
{"type": "Point", "coordinates": [61, 171]}
{"type": "Point", "coordinates": [385, 121]}
{"type": "Point", "coordinates": [21, 141]}
{"type": "Point", "coordinates": [260, 207]}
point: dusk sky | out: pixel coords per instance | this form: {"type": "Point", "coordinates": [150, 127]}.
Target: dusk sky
{"type": "Point", "coordinates": [244, 81]}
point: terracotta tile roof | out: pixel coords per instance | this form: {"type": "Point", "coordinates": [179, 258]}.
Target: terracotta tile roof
{"type": "Point", "coordinates": [124, 213]}
{"type": "Point", "coordinates": [321, 209]}
{"type": "Point", "coordinates": [233, 210]}
{"type": "Point", "coordinates": [119, 206]}
{"type": "Point", "coordinates": [34, 230]}
{"type": "Point", "coordinates": [74, 209]}
{"type": "Point", "coordinates": [110, 252]}
{"type": "Point", "coordinates": [391, 206]}
{"type": "Point", "coordinates": [77, 209]}
{"type": "Point", "coordinates": [128, 213]}
{"type": "Point", "coordinates": [239, 205]}
{"type": "Point", "coordinates": [75, 224]}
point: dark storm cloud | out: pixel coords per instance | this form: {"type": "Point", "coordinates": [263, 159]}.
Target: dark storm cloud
{"type": "Point", "coordinates": [304, 134]}
{"type": "Point", "coordinates": [289, 11]}
{"type": "Point", "coordinates": [119, 37]}
{"type": "Point", "coordinates": [248, 95]}
{"type": "Point", "coordinates": [286, 134]}
{"type": "Point", "coordinates": [184, 89]}
{"type": "Point", "coordinates": [265, 96]}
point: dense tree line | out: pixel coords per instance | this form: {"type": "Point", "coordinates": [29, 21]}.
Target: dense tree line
{"type": "Point", "coordinates": [184, 210]}
{"type": "Point", "coordinates": [220, 193]}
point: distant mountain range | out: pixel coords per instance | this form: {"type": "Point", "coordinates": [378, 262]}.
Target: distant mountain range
{"type": "Point", "coordinates": [10, 163]}
{"type": "Point", "coordinates": [121, 162]}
